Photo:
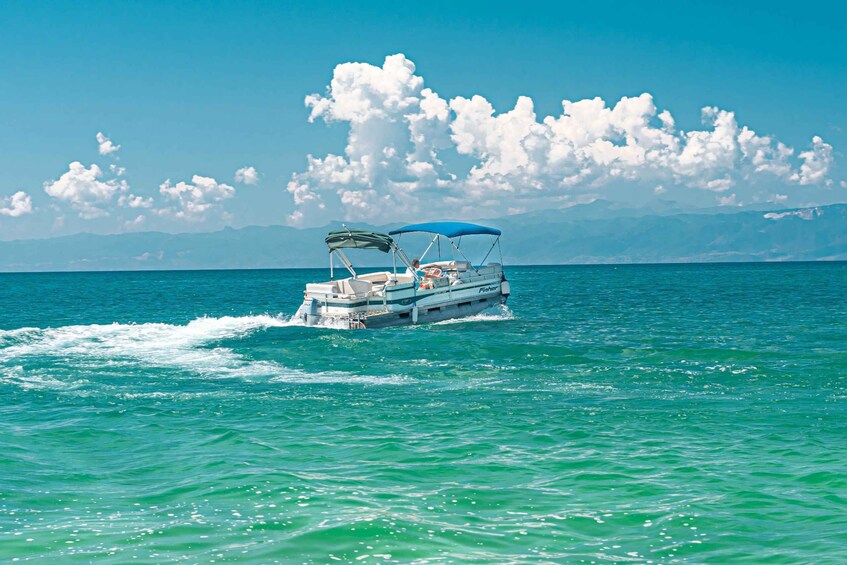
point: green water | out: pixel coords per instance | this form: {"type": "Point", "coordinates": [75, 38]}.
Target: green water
{"type": "Point", "coordinates": [611, 414]}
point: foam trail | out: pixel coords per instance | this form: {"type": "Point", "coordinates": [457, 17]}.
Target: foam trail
{"type": "Point", "coordinates": [35, 381]}
{"type": "Point", "coordinates": [130, 340]}
{"type": "Point", "coordinates": [182, 347]}
{"type": "Point", "coordinates": [496, 313]}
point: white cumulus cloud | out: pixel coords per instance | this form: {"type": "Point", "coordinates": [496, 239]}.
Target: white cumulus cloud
{"type": "Point", "coordinates": [195, 199]}
{"type": "Point", "coordinates": [247, 175]}
{"type": "Point", "coordinates": [106, 147]}
{"type": "Point", "coordinates": [84, 190]}
{"type": "Point", "coordinates": [816, 163]}
{"type": "Point", "coordinates": [134, 201]}
{"type": "Point", "coordinates": [728, 200]}
{"type": "Point", "coordinates": [16, 205]}
{"type": "Point", "coordinates": [411, 153]}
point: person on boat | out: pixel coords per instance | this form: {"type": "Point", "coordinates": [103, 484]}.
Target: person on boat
{"type": "Point", "coordinates": [416, 265]}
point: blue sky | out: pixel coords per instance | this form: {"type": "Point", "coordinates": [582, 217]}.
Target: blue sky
{"type": "Point", "coordinates": [194, 91]}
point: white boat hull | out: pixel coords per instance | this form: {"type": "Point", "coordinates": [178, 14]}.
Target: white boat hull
{"type": "Point", "coordinates": [399, 303]}
{"type": "Point", "coordinates": [425, 316]}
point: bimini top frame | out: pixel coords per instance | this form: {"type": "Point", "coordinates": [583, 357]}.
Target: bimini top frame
{"type": "Point", "coordinates": [449, 230]}
{"type": "Point", "coordinates": [363, 239]}
{"type": "Point", "coordinates": [453, 230]}
{"type": "Point", "coordinates": [359, 239]}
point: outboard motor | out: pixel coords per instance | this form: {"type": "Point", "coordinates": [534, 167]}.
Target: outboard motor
{"type": "Point", "coordinates": [312, 313]}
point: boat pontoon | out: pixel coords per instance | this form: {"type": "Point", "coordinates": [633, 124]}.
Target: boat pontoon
{"type": "Point", "coordinates": [430, 292]}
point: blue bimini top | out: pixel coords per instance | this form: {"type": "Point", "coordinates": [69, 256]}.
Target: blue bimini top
{"type": "Point", "coordinates": [448, 229]}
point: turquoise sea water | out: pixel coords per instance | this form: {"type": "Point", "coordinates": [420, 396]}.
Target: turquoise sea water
{"type": "Point", "coordinates": [693, 413]}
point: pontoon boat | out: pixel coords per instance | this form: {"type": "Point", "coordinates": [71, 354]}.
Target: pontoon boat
{"type": "Point", "coordinates": [430, 292]}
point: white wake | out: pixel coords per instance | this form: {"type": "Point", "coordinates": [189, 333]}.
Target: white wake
{"type": "Point", "coordinates": [496, 313]}
{"type": "Point", "coordinates": [181, 347]}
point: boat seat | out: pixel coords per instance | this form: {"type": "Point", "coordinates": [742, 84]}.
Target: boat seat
{"type": "Point", "coordinates": [447, 265]}
{"type": "Point", "coordinates": [489, 269]}
{"type": "Point", "coordinates": [404, 278]}
{"type": "Point", "coordinates": [321, 288]}
{"type": "Point", "coordinates": [355, 286]}
{"type": "Point", "coordinates": [379, 277]}
{"type": "Point", "coordinates": [454, 265]}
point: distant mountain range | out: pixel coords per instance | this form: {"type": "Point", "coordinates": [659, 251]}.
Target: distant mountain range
{"type": "Point", "coordinates": [601, 232]}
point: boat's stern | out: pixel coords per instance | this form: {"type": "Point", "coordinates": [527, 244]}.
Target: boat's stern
{"type": "Point", "coordinates": [343, 303]}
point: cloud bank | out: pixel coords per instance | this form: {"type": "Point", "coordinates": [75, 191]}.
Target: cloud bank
{"type": "Point", "coordinates": [196, 199]}
{"type": "Point", "coordinates": [411, 153]}
{"type": "Point", "coordinates": [18, 204]}
{"type": "Point", "coordinates": [85, 190]}
{"type": "Point", "coordinates": [94, 193]}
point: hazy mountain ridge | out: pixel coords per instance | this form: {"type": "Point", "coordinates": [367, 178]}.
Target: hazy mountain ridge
{"type": "Point", "coordinates": [592, 233]}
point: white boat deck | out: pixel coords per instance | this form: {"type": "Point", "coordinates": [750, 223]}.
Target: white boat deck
{"type": "Point", "coordinates": [375, 284]}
